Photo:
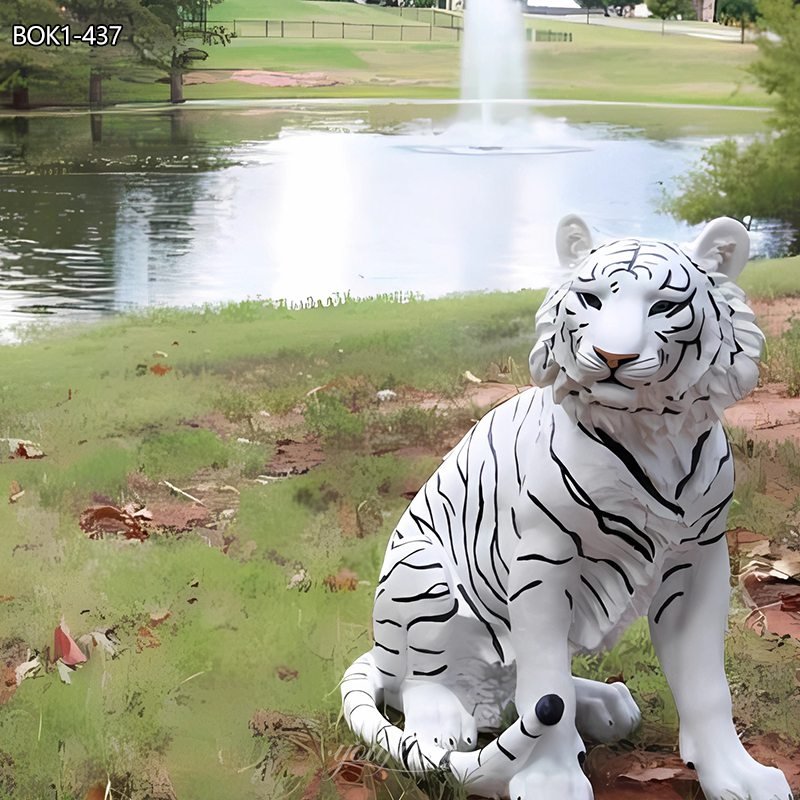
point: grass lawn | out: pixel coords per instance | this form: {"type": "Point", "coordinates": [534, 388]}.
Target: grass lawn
{"type": "Point", "coordinates": [230, 633]}
{"type": "Point", "coordinates": [601, 63]}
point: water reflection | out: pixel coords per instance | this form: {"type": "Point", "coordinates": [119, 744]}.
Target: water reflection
{"type": "Point", "coordinates": [102, 212]}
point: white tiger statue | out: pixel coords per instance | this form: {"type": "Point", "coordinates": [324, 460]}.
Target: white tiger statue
{"type": "Point", "coordinates": [596, 497]}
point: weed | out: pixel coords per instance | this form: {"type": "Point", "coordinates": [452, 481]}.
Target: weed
{"type": "Point", "coordinates": [179, 454]}
{"type": "Point", "coordinates": [783, 362]}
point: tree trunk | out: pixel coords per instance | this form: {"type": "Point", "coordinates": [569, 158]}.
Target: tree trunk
{"type": "Point", "coordinates": [176, 86]}
{"type": "Point", "coordinates": [20, 98]}
{"type": "Point", "coordinates": [96, 127]}
{"type": "Point", "coordinates": [663, 23]}
{"type": "Point", "coordinates": [742, 30]}
{"type": "Point", "coordinates": [95, 88]}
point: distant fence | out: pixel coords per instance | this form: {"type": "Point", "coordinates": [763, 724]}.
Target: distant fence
{"type": "Point", "coordinates": [430, 16]}
{"type": "Point", "coordinates": [550, 36]}
{"type": "Point", "coordinates": [316, 29]}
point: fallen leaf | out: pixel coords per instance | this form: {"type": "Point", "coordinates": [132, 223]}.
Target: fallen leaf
{"type": "Point", "coordinates": [64, 672]}
{"type": "Point", "coordinates": [145, 639]}
{"type": "Point", "coordinates": [65, 647]}
{"type": "Point", "coordinates": [101, 519]}
{"type": "Point", "coordinates": [344, 580]}
{"type": "Point", "coordinates": [97, 639]}
{"type": "Point", "coordinates": [284, 673]}
{"type": "Point", "coordinates": [21, 448]}
{"type": "Point", "coordinates": [15, 491]}
{"type": "Point", "coordinates": [97, 792]}
{"type": "Point", "coordinates": [157, 617]}
{"type": "Point", "coordinates": [468, 376]}
{"type": "Point", "coordinates": [27, 669]}
{"type": "Point", "coordinates": [160, 354]}
{"type": "Point", "coordinates": [160, 369]}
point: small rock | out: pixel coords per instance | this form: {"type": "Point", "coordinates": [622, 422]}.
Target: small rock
{"type": "Point", "coordinates": [385, 395]}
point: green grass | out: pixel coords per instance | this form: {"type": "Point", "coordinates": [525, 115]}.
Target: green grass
{"type": "Point", "coordinates": [601, 63]}
{"type": "Point", "coordinates": [302, 10]}
{"type": "Point", "coordinates": [769, 278]}
{"type": "Point", "coordinates": [179, 695]}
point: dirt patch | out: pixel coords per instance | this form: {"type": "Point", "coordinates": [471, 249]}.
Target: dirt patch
{"type": "Point", "coordinates": [632, 775]}
{"type": "Point", "coordinates": [775, 316]}
{"type": "Point", "coordinates": [261, 77]}
{"type": "Point", "coordinates": [295, 457]}
{"type": "Point", "coordinates": [216, 422]}
{"type": "Point", "coordinates": [767, 414]}
{"type": "Point", "coordinates": [12, 654]}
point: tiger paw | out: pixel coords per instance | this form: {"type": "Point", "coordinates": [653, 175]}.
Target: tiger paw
{"type": "Point", "coordinates": [534, 783]}
{"type": "Point", "coordinates": [742, 779]}
{"type": "Point", "coordinates": [606, 712]}
{"type": "Point", "coordinates": [435, 716]}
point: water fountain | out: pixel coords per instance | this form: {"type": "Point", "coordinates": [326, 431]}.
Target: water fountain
{"type": "Point", "coordinates": [493, 60]}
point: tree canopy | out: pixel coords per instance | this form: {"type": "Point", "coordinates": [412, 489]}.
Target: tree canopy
{"type": "Point", "coordinates": [761, 178]}
{"type": "Point", "coordinates": [170, 35]}
{"type": "Point", "coordinates": [741, 11]}
{"type": "Point", "coordinates": [670, 9]}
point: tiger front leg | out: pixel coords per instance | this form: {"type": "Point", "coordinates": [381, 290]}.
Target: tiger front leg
{"type": "Point", "coordinates": [688, 619]}
{"type": "Point", "coordinates": [543, 580]}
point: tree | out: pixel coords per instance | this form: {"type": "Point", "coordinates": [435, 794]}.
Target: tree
{"type": "Point", "coordinates": [171, 43]}
{"type": "Point", "coordinates": [762, 178]}
{"type": "Point", "coordinates": [104, 60]}
{"type": "Point", "coordinates": [741, 11]}
{"type": "Point", "coordinates": [590, 4]}
{"type": "Point", "coordinates": [19, 64]}
{"type": "Point", "coordinates": [670, 9]}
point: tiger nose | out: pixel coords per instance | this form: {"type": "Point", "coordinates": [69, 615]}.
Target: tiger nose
{"type": "Point", "coordinates": [613, 360]}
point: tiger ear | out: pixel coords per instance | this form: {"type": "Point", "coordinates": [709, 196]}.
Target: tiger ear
{"type": "Point", "coordinates": [573, 241]}
{"type": "Point", "coordinates": [723, 246]}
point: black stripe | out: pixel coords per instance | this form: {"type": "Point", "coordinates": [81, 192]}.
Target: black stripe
{"type": "Point", "coordinates": [696, 453]}
{"type": "Point", "coordinates": [531, 585]}
{"type": "Point", "coordinates": [539, 557]}
{"type": "Point", "coordinates": [425, 650]}
{"type": "Point", "coordinates": [428, 594]}
{"type": "Point", "coordinates": [402, 561]}
{"type": "Point", "coordinates": [356, 691]}
{"type": "Point", "coordinates": [430, 673]}
{"type": "Point", "coordinates": [436, 617]}
{"type": "Point", "coordinates": [673, 570]}
{"type": "Point", "coordinates": [526, 732]}
{"type": "Point", "coordinates": [616, 567]}
{"type": "Point", "coordinates": [495, 641]}
{"type": "Point", "coordinates": [632, 465]}
{"type": "Point", "coordinates": [664, 605]}
{"type": "Point", "coordinates": [569, 598]}
{"type": "Point", "coordinates": [597, 596]}
{"type": "Point", "coordinates": [388, 622]}
{"type": "Point", "coordinates": [507, 753]}
{"type": "Point", "coordinates": [387, 649]}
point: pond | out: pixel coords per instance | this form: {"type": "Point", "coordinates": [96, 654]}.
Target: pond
{"type": "Point", "coordinates": [101, 213]}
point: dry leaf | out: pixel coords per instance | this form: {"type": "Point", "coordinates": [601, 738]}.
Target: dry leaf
{"type": "Point", "coordinates": [15, 491]}
{"type": "Point", "coordinates": [145, 639]}
{"type": "Point", "coordinates": [101, 519]}
{"type": "Point", "coordinates": [21, 448]}
{"type": "Point", "coordinates": [64, 672]}
{"type": "Point", "coordinates": [27, 669]}
{"type": "Point", "coordinates": [345, 580]}
{"type": "Point", "coordinates": [286, 673]}
{"type": "Point", "coordinates": [160, 369]}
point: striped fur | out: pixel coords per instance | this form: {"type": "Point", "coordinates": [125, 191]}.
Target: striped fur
{"type": "Point", "coordinates": [564, 514]}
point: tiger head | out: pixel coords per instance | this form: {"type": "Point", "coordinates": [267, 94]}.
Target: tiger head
{"type": "Point", "coordinates": [644, 325]}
